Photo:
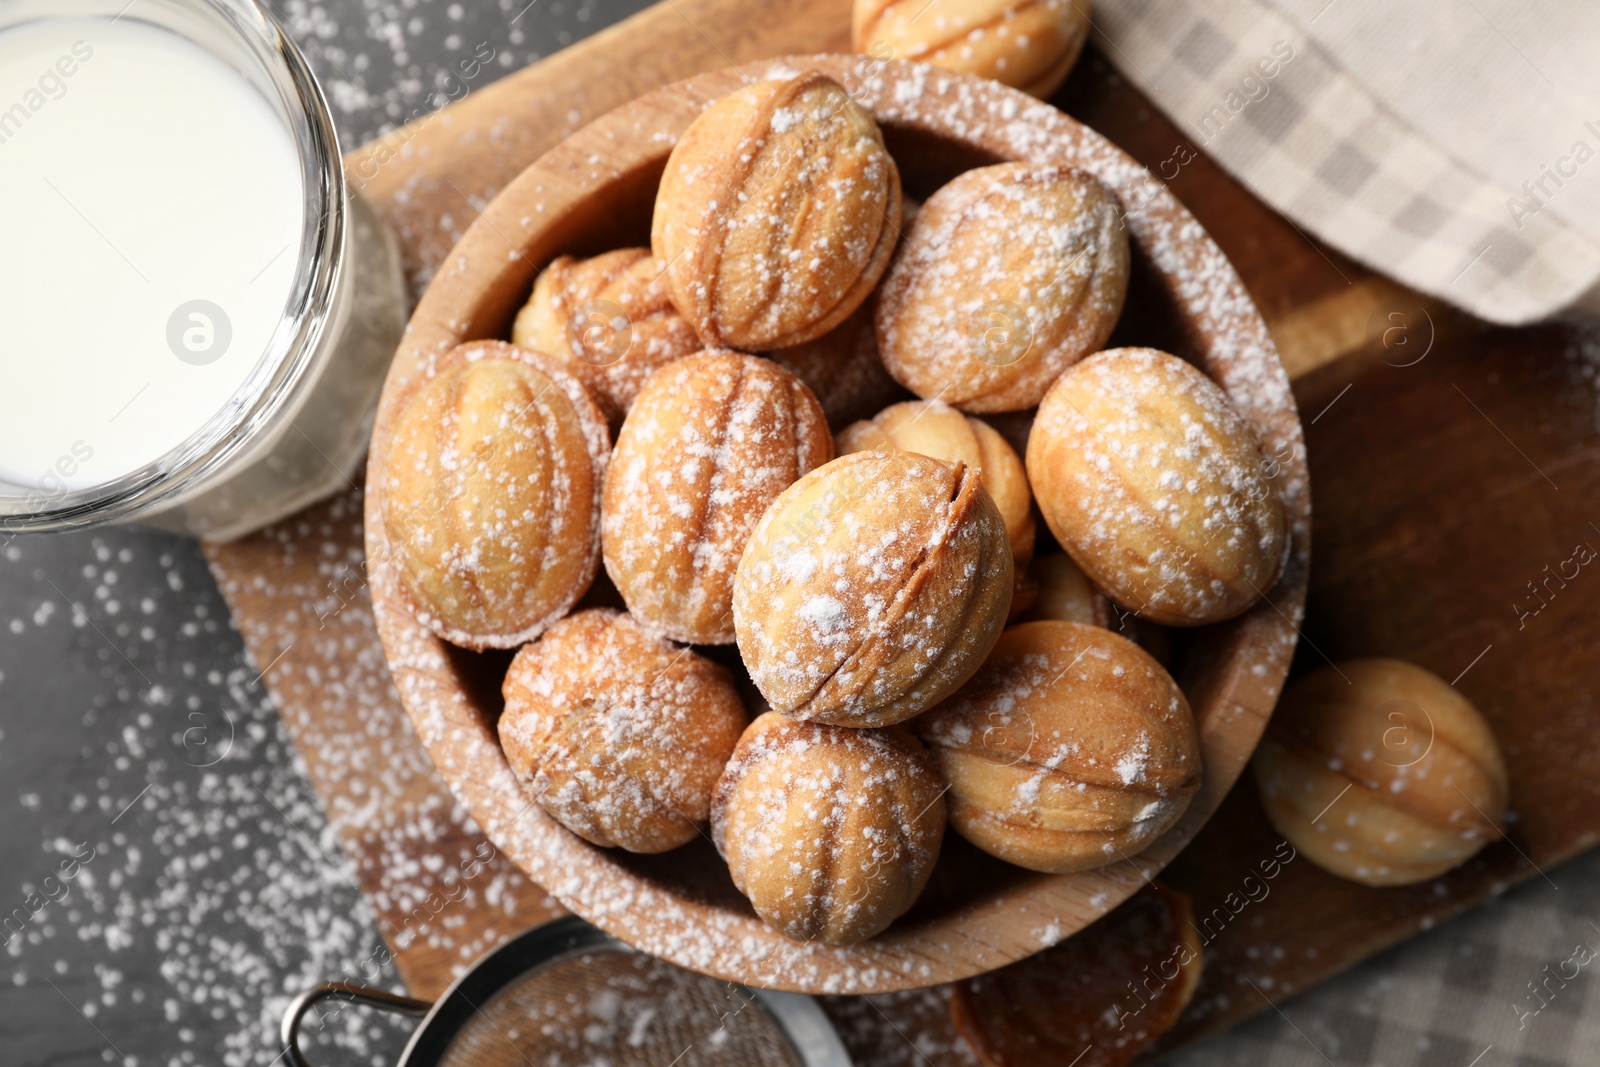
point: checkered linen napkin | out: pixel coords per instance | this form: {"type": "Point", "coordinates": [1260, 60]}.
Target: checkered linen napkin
{"type": "Point", "coordinates": [1451, 144]}
{"type": "Point", "coordinates": [1501, 986]}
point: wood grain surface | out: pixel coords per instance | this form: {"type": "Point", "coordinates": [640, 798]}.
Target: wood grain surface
{"type": "Point", "coordinates": [1444, 485]}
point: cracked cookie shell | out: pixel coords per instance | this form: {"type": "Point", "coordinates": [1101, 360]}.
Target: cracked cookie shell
{"type": "Point", "coordinates": [872, 588]}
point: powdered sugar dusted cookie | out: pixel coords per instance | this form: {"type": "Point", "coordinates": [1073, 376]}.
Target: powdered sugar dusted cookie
{"type": "Point", "coordinates": [491, 494]}
{"type": "Point", "coordinates": [1157, 487]}
{"type": "Point", "coordinates": [936, 429]}
{"type": "Point", "coordinates": [1070, 749]}
{"type": "Point", "coordinates": [1420, 780]}
{"type": "Point", "coordinates": [1031, 44]}
{"type": "Point", "coordinates": [872, 588]}
{"type": "Point", "coordinates": [777, 214]}
{"type": "Point", "coordinates": [710, 442]}
{"type": "Point", "coordinates": [617, 733]}
{"type": "Point", "coordinates": [610, 319]}
{"type": "Point", "coordinates": [830, 832]}
{"type": "Point", "coordinates": [1008, 276]}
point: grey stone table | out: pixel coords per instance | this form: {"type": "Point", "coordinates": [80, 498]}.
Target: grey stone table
{"type": "Point", "coordinates": [167, 880]}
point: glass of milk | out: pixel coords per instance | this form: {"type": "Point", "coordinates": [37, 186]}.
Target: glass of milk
{"type": "Point", "coordinates": [196, 314]}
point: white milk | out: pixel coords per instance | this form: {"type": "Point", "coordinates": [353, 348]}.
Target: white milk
{"type": "Point", "coordinates": [138, 174]}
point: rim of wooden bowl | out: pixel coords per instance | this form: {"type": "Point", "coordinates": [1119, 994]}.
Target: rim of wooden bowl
{"type": "Point", "coordinates": [1235, 669]}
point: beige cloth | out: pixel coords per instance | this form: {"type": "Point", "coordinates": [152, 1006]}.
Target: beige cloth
{"type": "Point", "coordinates": [1453, 145]}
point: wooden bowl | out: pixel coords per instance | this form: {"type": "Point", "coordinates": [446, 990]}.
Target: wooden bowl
{"type": "Point", "coordinates": [595, 191]}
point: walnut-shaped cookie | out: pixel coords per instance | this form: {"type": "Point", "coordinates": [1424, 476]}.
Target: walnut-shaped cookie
{"type": "Point", "coordinates": [610, 319]}
{"type": "Point", "coordinates": [831, 832]}
{"type": "Point", "coordinates": [1072, 748]}
{"type": "Point", "coordinates": [1158, 487]}
{"type": "Point", "coordinates": [618, 734]}
{"type": "Point", "coordinates": [776, 214]}
{"type": "Point", "coordinates": [872, 588]}
{"type": "Point", "coordinates": [936, 429]}
{"type": "Point", "coordinates": [712, 439]}
{"type": "Point", "coordinates": [1381, 772]}
{"type": "Point", "coordinates": [491, 494]}
{"type": "Point", "coordinates": [1029, 44]}
{"type": "Point", "coordinates": [1008, 276]}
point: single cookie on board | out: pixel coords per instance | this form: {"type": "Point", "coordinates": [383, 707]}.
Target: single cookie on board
{"type": "Point", "coordinates": [491, 494]}
{"type": "Point", "coordinates": [830, 832]}
{"type": "Point", "coordinates": [711, 441]}
{"type": "Point", "coordinates": [1029, 44]}
{"type": "Point", "coordinates": [872, 588]}
{"type": "Point", "coordinates": [776, 214]}
{"type": "Point", "coordinates": [1158, 487]}
{"type": "Point", "coordinates": [1381, 772]}
{"type": "Point", "coordinates": [1072, 748]}
{"type": "Point", "coordinates": [610, 319]}
{"type": "Point", "coordinates": [934, 428]}
{"type": "Point", "coordinates": [1009, 275]}
{"type": "Point", "coordinates": [618, 734]}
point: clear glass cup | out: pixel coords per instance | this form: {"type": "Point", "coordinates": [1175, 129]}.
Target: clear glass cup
{"type": "Point", "coordinates": [298, 427]}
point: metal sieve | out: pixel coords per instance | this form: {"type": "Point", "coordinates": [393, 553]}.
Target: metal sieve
{"type": "Point", "coordinates": [567, 995]}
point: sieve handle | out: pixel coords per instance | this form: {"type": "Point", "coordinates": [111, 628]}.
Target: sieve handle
{"type": "Point", "coordinates": [347, 991]}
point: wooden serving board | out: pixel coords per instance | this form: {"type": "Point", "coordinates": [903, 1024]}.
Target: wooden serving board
{"type": "Point", "coordinates": [1451, 464]}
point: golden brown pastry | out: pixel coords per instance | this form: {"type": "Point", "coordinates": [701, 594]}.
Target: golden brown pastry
{"type": "Point", "coordinates": [872, 588]}
{"type": "Point", "coordinates": [610, 319]}
{"type": "Point", "coordinates": [843, 368]}
{"type": "Point", "coordinates": [617, 733]}
{"type": "Point", "coordinates": [1070, 749]}
{"type": "Point", "coordinates": [711, 441]}
{"type": "Point", "coordinates": [1097, 999]}
{"type": "Point", "coordinates": [1029, 44]}
{"type": "Point", "coordinates": [776, 213]}
{"type": "Point", "coordinates": [830, 832]}
{"type": "Point", "coordinates": [491, 494]}
{"type": "Point", "coordinates": [1381, 773]}
{"type": "Point", "coordinates": [934, 428]}
{"type": "Point", "coordinates": [1157, 487]}
{"type": "Point", "coordinates": [1008, 276]}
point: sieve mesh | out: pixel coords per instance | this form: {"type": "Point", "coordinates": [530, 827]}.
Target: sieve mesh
{"type": "Point", "coordinates": [610, 1008]}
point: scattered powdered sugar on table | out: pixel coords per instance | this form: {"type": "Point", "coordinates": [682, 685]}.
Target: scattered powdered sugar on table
{"type": "Point", "coordinates": [384, 63]}
{"type": "Point", "coordinates": [208, 888]}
